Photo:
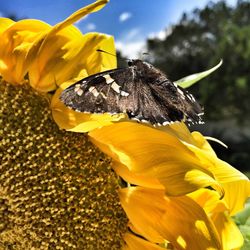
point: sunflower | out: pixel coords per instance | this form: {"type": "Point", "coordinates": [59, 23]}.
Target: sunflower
{"type": "Point", "coordinates": [121, 186]}
{"type": "Point", "coordinates": [183, 195]}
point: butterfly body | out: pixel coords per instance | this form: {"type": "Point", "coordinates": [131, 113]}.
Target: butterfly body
{"type": "Point", "coordinates": [140, 90]}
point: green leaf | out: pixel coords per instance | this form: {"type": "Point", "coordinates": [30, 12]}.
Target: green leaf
{"type": "Point", "coordinates": [242, 219]}
{"type": "Point", "coordinates": [245, 230]}
{"type": "Point", "coordinates": [243, 216]}
{"type": "Point", "coordinates": [188, 81]}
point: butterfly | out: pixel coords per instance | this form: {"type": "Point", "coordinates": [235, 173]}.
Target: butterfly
{"type": "Point", "coordinates": [140, 90]}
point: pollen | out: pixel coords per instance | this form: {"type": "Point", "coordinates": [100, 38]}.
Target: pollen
{"type": "Point", "coordinates": [57, 190]}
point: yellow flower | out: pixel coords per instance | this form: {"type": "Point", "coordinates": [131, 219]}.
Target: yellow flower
{"type": "Point", "coordinates": [59, 191]}
{"type": "Point", "coordinates": [156, 153]}
{"type": "Point", "coordinates": [44, 52]}
{"type": "Point", "coordinates": [219, 212]}
{"type": "Point", "coordinates": [173, 168]}
{"type": "Point", "coordinates": [177, 220]}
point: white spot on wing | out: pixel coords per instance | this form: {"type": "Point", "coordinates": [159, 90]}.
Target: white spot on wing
{"type": "Point", "coordinates": [115, 87]}
{"type": "Point", "coordinates": [144, 121]}
{"type": "Point", "coordinates": [94, 91]}
{"type": "Point", "coordinates": [109, 79]}
{"type": "Point", "coordinates": [165, 123]}
{"type": "Point", "coordinates": [79, 92]}
{"type": "Point", "coordinates": [135, 119]}
{"type": "Point", "coordinates": [123, 93]}
{"type": "Point", "coordinates": [78, 89]}
{"type": "Point", "coordinates": [104, 96]}
{"type": "Point", "coordinates": [181, 93]}
{"type": "Point", "coordinates": [191, 98]}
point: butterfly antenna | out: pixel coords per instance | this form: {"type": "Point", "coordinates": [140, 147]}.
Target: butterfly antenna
{"type": "Point", "coordinates": [146, 55]}
{"type": "Point", "coordinates": [100, 50]}
{"type": "Point", "coordinates": [103, 51]}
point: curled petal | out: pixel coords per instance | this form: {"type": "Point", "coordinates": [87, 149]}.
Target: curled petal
{"type": "Point", "coordinates": [236, 194]}
{"type": "Point", "coordinates": [64, 52]}
{"type": "Point", "coordinates": [135, 178]}
{"type": "Point", "coordinates": [133, 242]}
{"type": "Point", "coordinates": [235, 184]}
{"type": "Point", "coordinates": [209, 200]}
{"type": "Point", "coordinates": [202, 143]}
{"type": "Point", "coordinates": [156, 154]}
{"type": "Point", "coordinates": [16, 41]}
{"type": "Point", "coordinates": [202, 149]}
{"type": "Point", "coordinates": [218, 210]}
{"type": "Point", "coordinates": [230, 235]}
{"type": "Point", "coordinates": [96, 6]}
{"type": "Point", "coordinates": [5, 23]}
{"type": "Point", "coordinates": [65, 55]}
{"type": "Point", "coordinates": [179, 220]}
{"type": "Point", "coordinates": [180, 130]}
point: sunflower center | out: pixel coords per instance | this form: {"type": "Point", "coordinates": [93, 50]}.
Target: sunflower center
{"type": "Point", "coordinates": [57, 190]}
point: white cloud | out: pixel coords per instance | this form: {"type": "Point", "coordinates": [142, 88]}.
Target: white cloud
{"type": "Point", "coordinates": [90, 26]}
{"type": "Point", "coordinates": [160, 34]}
{"type": "Point", "coordinates": [131, 49]}
{"type": "Point", "coordinates": [125, 16]}
{"type": "Point", "coordinates": [131, 43]}
{"type": "Point", "coordinates": [132, 34]}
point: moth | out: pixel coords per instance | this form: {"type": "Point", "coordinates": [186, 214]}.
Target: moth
{"type": "Point", "coordinates": [140, 90]}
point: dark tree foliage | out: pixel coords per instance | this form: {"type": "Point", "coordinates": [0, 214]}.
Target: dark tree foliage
{"type": "Point", "coordinates": [197, 43]}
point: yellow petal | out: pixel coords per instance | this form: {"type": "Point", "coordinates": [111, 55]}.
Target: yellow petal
{"type": "Point", "coordinates": [15, 43]}
{"type": "Point", "coordinates": [225, 173]}
{"type": "Point", "coordinates": [203, 151]}
{"type": "Point", "coordinates": [157, 154]}
{"type": "Point", "coordinates": [135, 178]}
{"type": "Point", "coordinates": [230, 235]}
{"type": "Point", "coordinates": [217, 209]}
{"type": "Point", "coordinates": [79, 14]}
{"type": "Point", "coordinates": [133, 242]}
{"type": "Point", "coordinates": [64, 52]}
{"type": "Point", "coordinates": [209, 200]}
{"type": "Point", "coordinates": [180, 130]}
{"type": "Point", "coordinates": [5, 23]}
{"type": "Point", "coordinates": [75, 121]}
{"type": "Point", "coordinates": [202, 143]}
{"type": "Point", "coordinates": [236, 194]}
{"type": "Point", "coordinates": [235, 184]}
{"type": "Point", "coordinates": [65, 55]}
{"type": "Point", "coordinates": [98, 61]}
{"type": "Point", "coordinates": [107, 62]}
{"type": "Point", "coordinates": [179, 220]}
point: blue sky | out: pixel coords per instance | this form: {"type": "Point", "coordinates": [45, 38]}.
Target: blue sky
{"type": "Point", "coordinates": [129, 21]}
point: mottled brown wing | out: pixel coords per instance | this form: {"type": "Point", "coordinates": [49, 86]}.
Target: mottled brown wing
{"type": "Point", "coordinates": [175, 103]}
{"type": "Point", "coordinates": [126, 91]}
{"type": "Point", "coordinates": [113, 91]}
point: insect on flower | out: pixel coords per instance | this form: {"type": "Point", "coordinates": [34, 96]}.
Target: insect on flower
{"type": "Point", "coordinates": [140, 90]}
